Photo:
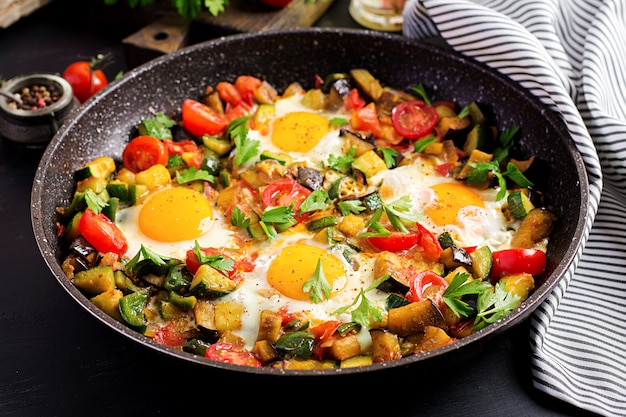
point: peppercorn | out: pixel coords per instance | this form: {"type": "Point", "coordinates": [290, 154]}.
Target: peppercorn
{"type": "Point", "coordinates": [37, 97]}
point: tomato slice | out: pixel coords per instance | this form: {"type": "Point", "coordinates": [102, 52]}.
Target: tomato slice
{"type": "Point", "coordinates": [518, 261]}
{"type": "Point", "coordinates": [102, 233]}
{"type": "Point", "coordinates": [285, 192]}
{"type": "Point", "coordinates": [414, 119]}
{"type": "Point", "coordinates": [354, 100]}
{"type": "Point", "coordinates": [199, 119]}
{"type": "Point", "coordinates": [427, 284]}
{"type": "Point", "coordinates": [143, 152]}
{"type": "Point", "coordinates": [229, 353]}
{"type": "Point", "coordinates": [395, 242]}
{"type": "Point", "coordinates": [324, 330]}
{"type": "Point", "coordinates": [188, 151]}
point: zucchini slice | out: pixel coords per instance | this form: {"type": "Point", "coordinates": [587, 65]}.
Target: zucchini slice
{"type": "Point", "coordinates": [100, 167]}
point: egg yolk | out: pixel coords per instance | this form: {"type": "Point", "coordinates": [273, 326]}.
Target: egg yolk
{"type": "Point", "coordinates": [175, 214]}
{"type": "Point", "coordinates": [299, 131]}
{"type": "Point", "coordinates": [296, 264]}
{"type": "Point", "coordinates": [450, 199]}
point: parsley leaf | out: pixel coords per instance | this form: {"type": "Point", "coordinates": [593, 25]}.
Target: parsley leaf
{"type": "Point", "coordinates": [419, 89]}
{"type": "Point", "coordinates": [389, 156]}
{"type": "Point", "coordinates": [215, 261]}
{"type": "Point", "coordinates": [146, 253]}
{"type": "Point", "coordinates": [460, 287]}
{"type": "Point", "coordinates": [493, 305]}
{"type": "Point", "coordinates": [343, 163]}
{"type": "Point", "coordinates": [366, 308]}
{"type": "Point", "coordinates": [506, 142]}
{"type": "Point", "coordinates": [338, 121]}
{"type": "Point", "coordinates": [95, 202]}
{"type": "Point", "coordinates": [481, 171]}
{"type": "Point", "coordinates": [246, 148]}
{"type": "Point", "coordinates": [317, 200]}
{"type": "Point", "coordinates": [317, 286]}
{"type": "Point", "coordinates": [351, 206]}
{"type": "Point", "coordinates": [422, 144]}
{"type": "Point", "coordinates": [193, 174]}
{"type": "Point", "coordinates": [238, 218]}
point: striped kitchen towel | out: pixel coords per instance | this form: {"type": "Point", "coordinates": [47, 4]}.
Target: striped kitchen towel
{"type": "Point", "coordinates": [571, 54]}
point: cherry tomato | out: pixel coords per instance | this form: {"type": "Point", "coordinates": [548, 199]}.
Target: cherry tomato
{"type": "Point", "coordinates": [444, 169]}
{"type": "Point", "coordinates": [144, 151]}
{"type": "Point", "coordinates": [414, 119]}
{"type": "Point", "coordinates": [518, 261]}
{"type": "Point", "coordinates": [324, 330]}
{"type": "Point", "coordinates": [395, 242]}
{"type": "Point", "coordinates": [247, 85]}
{"type": "Point", "coordinates": [366, 119]}
{"type": "Point", "coordinates": [102, 233]}
{"type": "Point", "coordinates": [199, 119]}
{"type": "Point", "coordinates": [87, 77]}
{"type": "Point", "coordinates": [285, 192]}
{"type": "Point", "coordinates": [276, 4]}
{"type": "Point", "coordinates": [426, 284]}
{"type": "Point", "coordinates": [229, 353]}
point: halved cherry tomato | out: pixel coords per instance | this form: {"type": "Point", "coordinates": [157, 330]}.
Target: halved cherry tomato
{"type": "Point", "coordinates": [229, 93]}
{"type": "Point", "coordinates": [229, 353]}
{"type": "Point", "coordinates": [199, 119]}
{"type": "Point", "coordinates": [427, 284]}
{"type": "Point", "coordinates": [444, 169]}
{"type": "Point", "coordinates": [518, 261]}
{"type": "Point", "coordinates": [143, 152]}
{"type": "Point", "coordinates": [168, 336]}
{"type": "Point", "coordinates": [102, 233]}
{"type": "Point", "coordinates": [396, 241]}
{"type": "Point", "coordinates": [414, 119]}
{"type": "Point", "coordinates": [285, 192]}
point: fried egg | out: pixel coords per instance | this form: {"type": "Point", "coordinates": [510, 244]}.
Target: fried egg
{"type": "Point", "coordinates": [169, 222]}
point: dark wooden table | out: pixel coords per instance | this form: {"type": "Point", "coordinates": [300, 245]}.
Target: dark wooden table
{"type": "Point", "coordinates": [57, 360]}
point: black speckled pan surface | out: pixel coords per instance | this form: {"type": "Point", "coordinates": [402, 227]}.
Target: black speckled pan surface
{"type": "Point", "coordinates": [103, 124]}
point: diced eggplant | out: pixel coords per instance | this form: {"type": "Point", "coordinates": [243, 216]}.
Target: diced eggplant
{"type": "Point", "coordinates": [535, 227]}
{"type": "Point", "coordinates": [414, 317]}
{"type": "Point", "coordinates": [361, 144]}
{"type": "Point", "coordinates": [385, 346]}
{"type": "Point", "coordinates": [310, 178]}
{"type": "Point", "coordinates": [453, 257]}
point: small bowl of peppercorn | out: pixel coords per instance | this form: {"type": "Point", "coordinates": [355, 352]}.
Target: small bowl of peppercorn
{"type": "Point", "coordinates": [35, 108]}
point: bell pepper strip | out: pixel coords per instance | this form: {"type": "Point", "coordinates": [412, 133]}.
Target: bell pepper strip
{"type": "Point", "coordinates": [517, 261]}
{"type": "Point", "coordinates": [427, 284]}
{"type": "Point", "coordinates": [366, 119]}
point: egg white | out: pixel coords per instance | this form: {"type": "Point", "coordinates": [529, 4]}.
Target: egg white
{"type": "Point", "coordinates": [217, 235]}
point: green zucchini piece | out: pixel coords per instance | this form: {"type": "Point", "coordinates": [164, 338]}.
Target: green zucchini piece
{"type": "Point", "coordinates": [281, 158]}
{"type": "Point", "coordinates": [118, 189]}
{"type": "Point", "coordinates": [335, 188]}
{"type": "Point", "coordinates": [210, 283]}
{"type": "Point", "coordinates": [372, 202]}
{"type": "Point", "coordinates": [196, 346]}
{"type": "Point", "coordinates": [323, 222]}
{"type": "Point", "coordinates": [97, 185]}
{"type": "Point", "coordinates": [476, 113]}
{"type": "Point", "coordinates": [445, 240]}
{"type": "Point", "coordinates": [519, 204]}
{"type": "Point", "coordinates": [169, 310]}
{"type": "Point", "coordinates": [135, 192]}
{"type": "Point", "coordinates": [369, 164]}
{"type": "Point", "coordinates": [481, 138]}
{"type": "Point", "coordinates": [224, 178]}
{"type": "Point", "coordinates": [178, 278]}
{"type": "Point", "coordinates": [110, 210]}
{"type": "Point", "coordinates": [71, 229]}
{"type": "Point", "coordinates": [132, 309]}
{"type": "Point", "coordinates": [482, 260]}
{"type": "Point", "coordinates": [101, 167]}
{"type": "Point", "coordinates": [216, 144]}
{"type": "Point", "coordinates": [124, 283]}
{"type": "Point", "coordinates": [95, 280]}
{"type": "Point", "coordinates": [182, 301]}
{"type": "Point", "coordinates": [211, 162]}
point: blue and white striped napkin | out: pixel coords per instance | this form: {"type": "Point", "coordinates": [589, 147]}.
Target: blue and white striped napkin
{"type": "Point", "coordinates": [571, 54]}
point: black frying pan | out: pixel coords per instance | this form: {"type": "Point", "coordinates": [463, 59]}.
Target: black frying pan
{"type": "Point", "coordinates": [103, 124]}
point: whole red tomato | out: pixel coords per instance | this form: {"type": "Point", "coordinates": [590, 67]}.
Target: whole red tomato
{"type": "Point", "coordinates": [87, 77]}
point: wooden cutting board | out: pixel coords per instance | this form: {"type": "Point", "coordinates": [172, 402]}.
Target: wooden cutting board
{"type": "Point", "coordinates": [172, 32]}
